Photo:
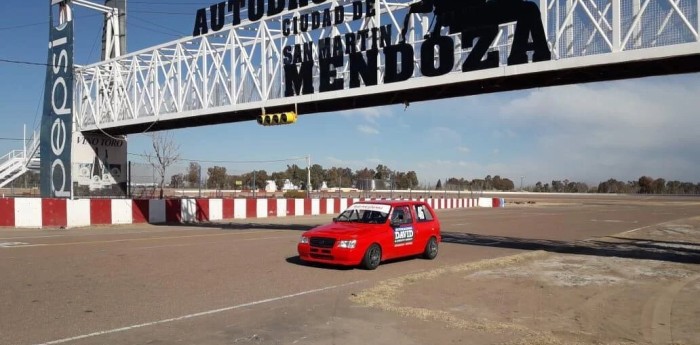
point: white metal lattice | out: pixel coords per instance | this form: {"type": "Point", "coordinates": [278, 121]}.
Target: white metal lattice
{"type": "Point", "coordinates": [242, 67]}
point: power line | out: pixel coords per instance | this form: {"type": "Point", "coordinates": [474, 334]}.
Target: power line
{"type": "Point", "coordinates": [232, 162]}
{"type": "Point", "coordinates": [22, 26]}
{"type": "Point", "coordinates": [23, 62]}
{"type": "Point", "coordinates": [14, 139]}
{"type": "Point", "coordinates": [154, 24]}
{"type": "Point", "coordinates": [161, 12]}
{"type": "Point", "coordinates": [169, 3]}
{"type": "Point", "coordinates": [40, 23]}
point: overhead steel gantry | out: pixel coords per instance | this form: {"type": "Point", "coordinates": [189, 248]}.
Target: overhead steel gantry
{"type": "Point", "coordinates": [238, 72]}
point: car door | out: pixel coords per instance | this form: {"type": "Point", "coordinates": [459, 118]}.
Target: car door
{"type": "Point", "coordinates": [401, 221]}
{"type": "Point", "coordinates": [424, 227]}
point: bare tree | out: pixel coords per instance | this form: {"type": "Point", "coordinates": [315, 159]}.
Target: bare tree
{"type": "Point", "coordinates": [165, 153]}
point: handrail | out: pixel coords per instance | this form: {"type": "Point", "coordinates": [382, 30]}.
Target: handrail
{"type": "Point", "coordinates": [12, 155]}
{"type": "Point", "coordinates": [16, 162]}
{"type": "Point", "coordinates": [9, 166]}
{"type": "Point", "coordinates": [33, 147]}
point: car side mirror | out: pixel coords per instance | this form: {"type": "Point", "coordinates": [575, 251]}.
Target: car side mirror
{"type": "Point", "coordinates": [335, 219]}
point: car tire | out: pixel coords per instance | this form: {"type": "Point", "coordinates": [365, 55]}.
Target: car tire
{"type": "Point", "coordinates": [431, 249]}
{"type": "Point", "coordinates": [372, 258]}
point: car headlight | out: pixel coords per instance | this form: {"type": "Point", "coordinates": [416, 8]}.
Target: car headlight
{"type": "Point", "coordinates": [304, 240]}
{"type": "Point", "coordinates": [350, 244]}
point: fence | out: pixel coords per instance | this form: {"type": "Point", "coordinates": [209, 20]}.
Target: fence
{"type": "Point", "coordinates": [142, 180]}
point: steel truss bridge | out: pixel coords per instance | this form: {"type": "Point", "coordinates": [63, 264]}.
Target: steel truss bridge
{"type": "Point", "coordinates": [237, 73]}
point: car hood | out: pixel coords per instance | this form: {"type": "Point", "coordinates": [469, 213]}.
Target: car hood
{"type": "Point", "coordinates": [345, 229]}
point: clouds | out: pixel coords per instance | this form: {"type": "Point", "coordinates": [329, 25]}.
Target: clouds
{"type": "Point", "coordinates": [639, 115]}
{"type": "Point", "coordinates": [463, 149]}
{"type": "Point", "coordinates": [370, 116]}
{"type": "Point", "coordinates": [352, 164]}
{"type": "Point", "coordinates": [366, 129]}
{"type": "Point", "coordinates": [620, 129]}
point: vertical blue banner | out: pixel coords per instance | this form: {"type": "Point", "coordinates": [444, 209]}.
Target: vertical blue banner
{"type": "Point", "coordinates": [57, 119]}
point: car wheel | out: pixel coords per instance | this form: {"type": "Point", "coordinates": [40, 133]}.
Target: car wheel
{"type": "Point", "coordinates": [372, 258]}
{"type": "Point", "coordinates": [431, 249]}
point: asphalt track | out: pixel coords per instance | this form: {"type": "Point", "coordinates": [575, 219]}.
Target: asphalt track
{"type": "Point", "coordinates": [241, 282]}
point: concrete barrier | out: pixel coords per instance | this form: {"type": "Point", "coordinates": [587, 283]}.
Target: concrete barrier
{"type": "Point", "coordinates": [62, 213]}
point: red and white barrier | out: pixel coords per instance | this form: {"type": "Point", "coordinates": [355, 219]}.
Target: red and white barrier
{"type": "Point", "coordinates": [62, 213]}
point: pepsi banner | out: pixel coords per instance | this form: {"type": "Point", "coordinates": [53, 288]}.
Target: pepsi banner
{"type": "Point", "coordinates": [56, 123]}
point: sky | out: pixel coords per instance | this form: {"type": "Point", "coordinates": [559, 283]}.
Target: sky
{"type": "Point", "coordinates": [584, 132]}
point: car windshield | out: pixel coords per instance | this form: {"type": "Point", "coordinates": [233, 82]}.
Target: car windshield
{"type": "Point", "coordinates": [365, 213]}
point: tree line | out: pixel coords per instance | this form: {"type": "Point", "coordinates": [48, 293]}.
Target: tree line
{"type": "Point", "coordinates": [217, 177]}
{"type": "Point", "coordinates": [382, 177]}
{"type": "Point", "coordinates": [643, 185]}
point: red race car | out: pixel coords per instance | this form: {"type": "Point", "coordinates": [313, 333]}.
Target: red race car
{"type": "Point", "coordinates": [368, 233]}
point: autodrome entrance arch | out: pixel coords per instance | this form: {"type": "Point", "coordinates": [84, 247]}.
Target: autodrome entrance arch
{"type": "Point", "coordinates": [252, 57]}
{"type": "Point", "coordinates": [238, 71]}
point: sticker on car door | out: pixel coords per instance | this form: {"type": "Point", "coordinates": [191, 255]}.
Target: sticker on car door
{"type": "Point", "coordinates": [403, 235]}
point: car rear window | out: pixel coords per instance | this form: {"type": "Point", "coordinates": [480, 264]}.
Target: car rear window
{"type": "Point", "coordinates": [423, 214]}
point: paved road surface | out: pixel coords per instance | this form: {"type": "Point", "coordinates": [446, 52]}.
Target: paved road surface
{"type": "Point", "coordinates": [241, 282]}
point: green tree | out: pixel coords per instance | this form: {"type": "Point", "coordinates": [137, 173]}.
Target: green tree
{"type": "Point", "coordinates": [503, 184]}
{"type": "Point", "coordinates": [538, 187]}
{"type": "Point", "coordinates": [658, 186]}
{"type": "Point", "coordinates": [363, 179]}
{"type": "Point", "coordinates": [318, 175]}
{"type": "Point", "coordinates": [177, 181]}
{"type": "Point", "coordinates": [411, 179]}
{"type": "Point", "coordinates": [645, 185]}
{"type": "Point", "coordinates": [382, 173]}
{"type": "Point", "coordinates": [673, 187]}
{"type": "Point", "coordinates": [192, 176]}
{"type": "Point", "coordinates": [477, 184]}
{"type": "Point", "coordinates": [488, 182]}
{"type": "Point", "coordinates": [261, 178]}
{"type": "Point", "coordinates": [296, 174]}
{"type": "Point", "coordinates": [438, 185]}
{"type": "Point", "coordinates": [217, 177]}
{"type": "Point", "coordinates": [557, 186]}
{"type": "Point", "coordinates": [279, 178]}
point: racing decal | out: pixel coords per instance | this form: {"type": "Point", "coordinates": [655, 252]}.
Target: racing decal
{"type": "Point", "coordinates": [403, 235]}
{"type": "Point", "coordinates": [371, 207]}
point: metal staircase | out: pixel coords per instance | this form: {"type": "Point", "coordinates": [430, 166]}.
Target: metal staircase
{"type": "Point", "coordinates": [17, 162]}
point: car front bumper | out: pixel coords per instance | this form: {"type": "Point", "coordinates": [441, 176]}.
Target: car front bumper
{"type": "Point", "coordinates": [332, 256]}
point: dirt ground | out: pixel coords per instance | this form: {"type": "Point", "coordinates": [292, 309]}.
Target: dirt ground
{"type": "Point", "coordinates": [610, 294]}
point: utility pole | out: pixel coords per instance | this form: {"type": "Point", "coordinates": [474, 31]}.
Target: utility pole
{"type": "Point", "coordinates": [308, 175]}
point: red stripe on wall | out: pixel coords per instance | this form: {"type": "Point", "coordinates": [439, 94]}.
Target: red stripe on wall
{"type": "Point", "coordinates": [251, 208]}
{"type": "Point", "coordinates": [139, 211]}
{"type": "Point", "coordinates": [336, 206]}
{"type": "Point", "coordinates": [307, 207]}
{"type": "Point", "coordinates": [323, 207]}
{"type": "Point", "coordinates": [173, 211]}
{"type": "Point", "coordinates": [100, 211]}
{"type": "Point", "coordinates": [202, 210]}
{"type": "Point", "coordinates": [272, 207]}
{"type": "Point", "coordinates": [350, 201]}
{"type": "Point", "coordinates": [54, 212]}
{"type": "Point", "coordinates": [7, 212]}
{"type": "Point", "coordinates": [227, 212]}
{"type": "Point", "coordinates": [291, 207]}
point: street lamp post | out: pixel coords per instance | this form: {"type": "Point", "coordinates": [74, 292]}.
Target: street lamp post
{"type": "Point", "coordinates": [521, 183]}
